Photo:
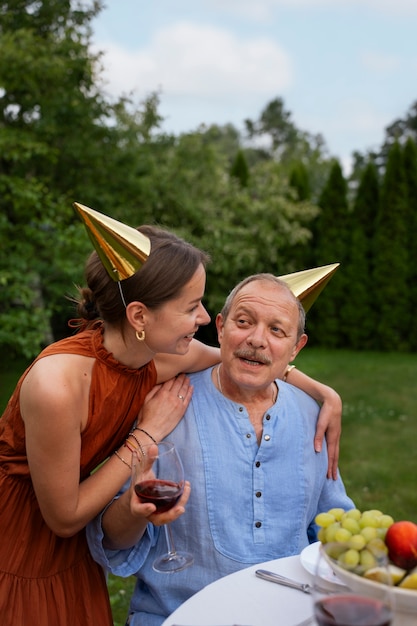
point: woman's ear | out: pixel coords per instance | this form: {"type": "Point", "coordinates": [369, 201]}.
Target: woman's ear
{"type": "Point", "coordinates": [136, 315]}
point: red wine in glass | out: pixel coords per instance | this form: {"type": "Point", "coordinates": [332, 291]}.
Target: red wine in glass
{"type": "Point", "coordinates": [351, 610]}
{"type": "Point", "coordinates": [158, 477]}
{"type": "Point", "coordinates": [164, 494]}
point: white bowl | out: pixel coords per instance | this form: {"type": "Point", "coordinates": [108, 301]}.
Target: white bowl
{"type": "Point", "coordinates": [405, 600]}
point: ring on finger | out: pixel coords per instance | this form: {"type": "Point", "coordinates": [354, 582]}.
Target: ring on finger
{"type": "Point", "coordinates": [181, 397]}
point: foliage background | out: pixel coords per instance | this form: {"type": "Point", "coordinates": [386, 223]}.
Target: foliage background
{"type": "Point", "coordinates": [269, 199]}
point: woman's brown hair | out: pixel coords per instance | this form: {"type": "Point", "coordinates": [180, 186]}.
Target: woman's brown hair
{"type": "Point", "coordinates": [171, 264]}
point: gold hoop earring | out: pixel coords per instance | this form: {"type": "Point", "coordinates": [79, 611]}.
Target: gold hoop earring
{"type": "Point", "coordinates": [140, 336]}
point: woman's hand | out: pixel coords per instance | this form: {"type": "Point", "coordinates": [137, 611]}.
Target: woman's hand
{"type": "Point", "coordinates": [148, 510]}
{"type": "Point", "coordinates": [164, 406]}
{"type": "Point", "coordinates": [125, 520]}
{"type": "Point", "coordinates": [330, 425]}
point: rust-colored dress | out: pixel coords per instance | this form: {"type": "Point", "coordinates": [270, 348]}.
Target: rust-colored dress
{"type": "Point", "coordinates": [46, 580]}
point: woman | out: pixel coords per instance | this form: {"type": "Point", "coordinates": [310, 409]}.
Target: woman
{"type": "Point", "coordinates": [75, 406]}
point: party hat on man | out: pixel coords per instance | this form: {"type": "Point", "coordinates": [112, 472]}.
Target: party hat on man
{"type": "Point", "coordinates": [122, 249]}
{"type": "Point", "coordinates": [308, 284]}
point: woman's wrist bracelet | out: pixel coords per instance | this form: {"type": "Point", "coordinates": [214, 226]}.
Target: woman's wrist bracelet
{"type": "Point", "coordinates": [119, 456]}
{"type": "Point", "coordinates": [287, 371]}
{"type": "Point", "coordinates": [132, 434]}
{"type": "Point", "coordinates": [146, 433]}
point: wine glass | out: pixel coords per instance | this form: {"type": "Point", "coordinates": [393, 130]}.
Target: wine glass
{"type": "Point", "coordinates": [342, 596]}
{"type": "Point", "coordinates": [158, 477]}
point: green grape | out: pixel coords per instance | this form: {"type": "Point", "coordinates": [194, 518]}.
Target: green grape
{"type": "Point", "coordinates": [381, 532]}
{"type": "Point", "coordinates": [337, 513]}
{"type": "Point", "coordinates": [349, 559]}
{"type": "Point", "coordinates": [385, 521]}
{"type": "Point", "coordinates": [357, 542]}
{"type": "Point", "coordinates": [331, 531]}
{"type": "Point", "coordinates": [377, 547]}
{"type": "Point", "coordinates": [342, 535]}
{"type": "Point", "coordinates": [369, 533]}
{"type": "Point", "coordinates": [353, 513]}
{"type": "Point", "coordinates": [324, 519]}
{"type": "Point", "coordinates": [368, 518]}
{"type": "Point", "coordinates": [350, 524]}
{"type": "Point", "coordinates": [367, 559]}
{"type": "Point", "coordinates": [321, 535]}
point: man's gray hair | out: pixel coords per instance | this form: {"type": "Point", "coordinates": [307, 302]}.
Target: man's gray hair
{"type": "Point", "coordinates": [272, 279]}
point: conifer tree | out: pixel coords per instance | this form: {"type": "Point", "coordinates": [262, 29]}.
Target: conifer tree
{"type": "Point", "coordinates": [330, 246]}
{"type": "Point", "coordinates": [410, 170]}
{"type": "Point", "coordinates": [358, 312]}
{"type": "Point", "coordinates": [391, 257]}
{"type": "Point", "coordinates": [299, 180]}
{"type": "Point", "coordinates": [240, 169]}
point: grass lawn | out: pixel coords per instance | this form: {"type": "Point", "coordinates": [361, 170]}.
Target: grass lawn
{"type": "Point", "coordinates": [378, 459]}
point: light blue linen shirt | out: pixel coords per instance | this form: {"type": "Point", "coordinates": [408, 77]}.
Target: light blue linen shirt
{"type": "Point", "coordinates": [248, 503]}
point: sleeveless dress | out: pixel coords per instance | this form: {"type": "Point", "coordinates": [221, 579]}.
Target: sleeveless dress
{"type": "Point", "coordinates": [46, 580]}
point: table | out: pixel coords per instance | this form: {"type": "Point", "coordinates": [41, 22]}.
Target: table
{"type": "Point", "coordinates": [243, 598]}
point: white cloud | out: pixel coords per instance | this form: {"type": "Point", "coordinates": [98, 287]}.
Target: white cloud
{"type": "Point", "coordinates": [189, 59]}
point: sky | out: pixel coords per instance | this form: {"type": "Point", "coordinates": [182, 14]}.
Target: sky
{"type": "Point", "coordinates": [345, 69]}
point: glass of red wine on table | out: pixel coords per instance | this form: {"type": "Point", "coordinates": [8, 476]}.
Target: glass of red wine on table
{"type": "Point", "coordinates": [338, 602]}
{"type": "Point", "coordinates": [158, 477]}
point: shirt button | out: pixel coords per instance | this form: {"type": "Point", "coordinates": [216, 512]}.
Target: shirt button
{"type": "Point", "coordinates": [258, 494]}
{"type": "Point", "coordinates": [268, 417]}
{"type": "Point", "coordinates": [248, 435]}
{"type": "Point", "coordinates": [240, 409]}
{"type": "Point", "coordinates": [267, 437]}
{"type": "Point", "coordinates": [258, 464]}
{"type": "Point", "coordinates": [258, 524]}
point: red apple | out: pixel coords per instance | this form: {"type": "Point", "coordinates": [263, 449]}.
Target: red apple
{"type": "Point", "coordinates": [401, 541]}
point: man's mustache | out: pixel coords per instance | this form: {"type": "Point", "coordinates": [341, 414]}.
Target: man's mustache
{"type": "Point", "coordinates": [252, 355]}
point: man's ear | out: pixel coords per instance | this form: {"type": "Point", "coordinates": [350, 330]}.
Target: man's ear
{"type": "Point", "coordinates": [299, 345]}
{"type": "Point", "coordinates": [219, 326]}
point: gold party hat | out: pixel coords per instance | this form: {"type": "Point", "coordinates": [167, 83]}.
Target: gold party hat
{"type": "Point", "coordinates": [122, 249]}
{"type": "Point", "coordinates": [308, 284]}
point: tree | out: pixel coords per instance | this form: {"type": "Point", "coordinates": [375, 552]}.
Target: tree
{"type": "Point", "coordinates": [239, 169]}
{"type": "Point", "coordinates": [330, 236]}
{"type": "Point", "coordinates": [391, 257]}
{"type": "Point", "coordinates": [358, 312]}
{"type": "Point", "coordinates": [410, 171]}
{"type": "Point", "coordinates": [52, 140]}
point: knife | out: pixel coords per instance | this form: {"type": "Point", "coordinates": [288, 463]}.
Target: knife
{"type": "Point", "coordinates": [282, 580]}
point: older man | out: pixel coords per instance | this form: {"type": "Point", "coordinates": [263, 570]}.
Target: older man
{"type": "Point", "coordinates": [246, 445]}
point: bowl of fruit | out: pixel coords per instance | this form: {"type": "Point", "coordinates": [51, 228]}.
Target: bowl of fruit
{"type": "Point", "coordinates": [364, 535]}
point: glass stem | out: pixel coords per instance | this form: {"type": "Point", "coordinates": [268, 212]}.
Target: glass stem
{"type": "Point", "coordinates": [169, 540]}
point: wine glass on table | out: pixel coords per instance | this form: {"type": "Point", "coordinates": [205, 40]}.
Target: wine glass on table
{"type": "Point", "coordinates": [158, 477]}
{"type": "Point", "coordinates": [341, 594]}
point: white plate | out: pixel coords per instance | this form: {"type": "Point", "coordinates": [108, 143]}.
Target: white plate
{"type": "Point", "coordinates": [308, 558]}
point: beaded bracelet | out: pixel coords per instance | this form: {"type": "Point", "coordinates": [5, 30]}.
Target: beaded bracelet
{"type": "Point", "coordinates": [122, 459]}
{"type": "Point", "coordinates": [132, 434]}
{"type": "Point", "coordinates": [150, 436]}
{"type": "Point", "coordinates": [287, 371]}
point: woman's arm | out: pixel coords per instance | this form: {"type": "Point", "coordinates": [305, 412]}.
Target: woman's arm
{"type": "Point", "coordinates": [198, 357]}
{"type": "Point", "coordinates": [54, 406]}
{"type": "Point", "coordinates": [330, 418]}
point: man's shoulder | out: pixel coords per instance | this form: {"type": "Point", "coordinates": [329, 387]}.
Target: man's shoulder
{"type": "Point", "coordinates": [294, 394]}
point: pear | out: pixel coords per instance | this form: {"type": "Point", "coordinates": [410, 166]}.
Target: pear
{"type": "Point", "coordinates": [410, 581]}
{"type": "Point", "coordinates": [379, 574]}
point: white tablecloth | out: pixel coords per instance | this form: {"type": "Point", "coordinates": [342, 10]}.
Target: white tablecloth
{"type": "Point", "coordinates": [243, 598]}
